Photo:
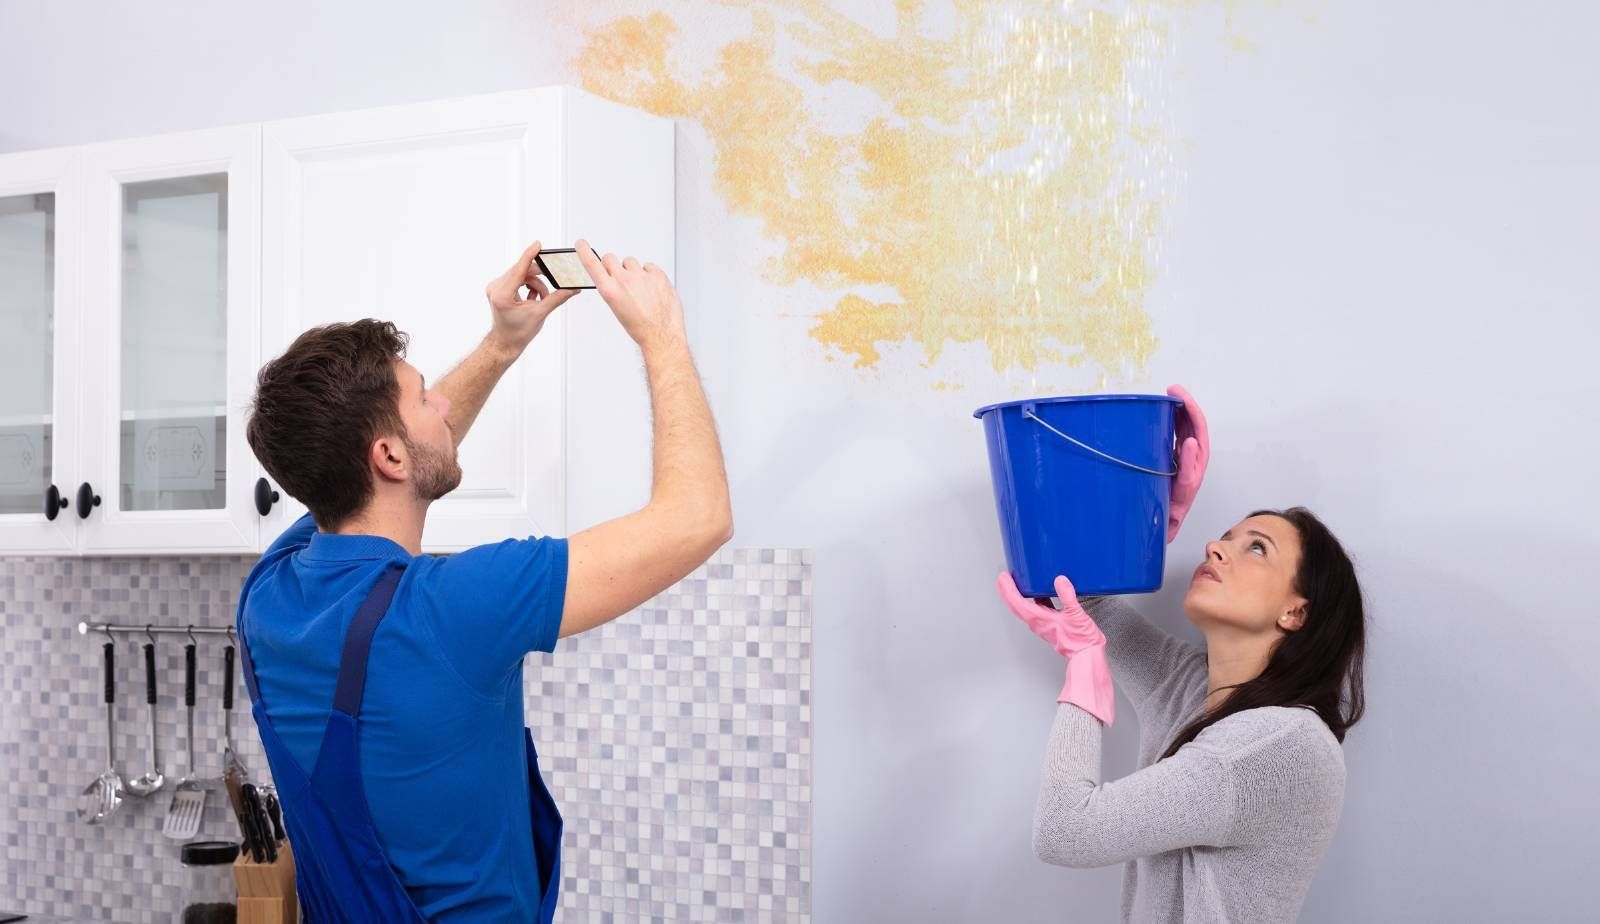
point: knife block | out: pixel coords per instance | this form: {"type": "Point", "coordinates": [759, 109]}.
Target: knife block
{"type": "Point", "coordinates": [266, 890]}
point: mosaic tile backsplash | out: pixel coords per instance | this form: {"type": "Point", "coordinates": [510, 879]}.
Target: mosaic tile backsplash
{"type": "Point", "coordinates": [677, 740]}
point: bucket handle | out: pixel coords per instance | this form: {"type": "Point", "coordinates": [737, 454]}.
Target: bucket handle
{"type": "Point", "coordinates": [1027, 411]}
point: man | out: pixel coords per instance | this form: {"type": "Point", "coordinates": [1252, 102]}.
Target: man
{"type": "Point", "coordinates": [410, 790]}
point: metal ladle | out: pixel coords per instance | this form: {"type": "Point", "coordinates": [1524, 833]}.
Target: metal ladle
{"type": "Point", "coordinates": [104, 795]}
{"type": "Point", "coordinates": [151, 782]}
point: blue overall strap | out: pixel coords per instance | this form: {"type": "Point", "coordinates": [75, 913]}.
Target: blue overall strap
{"type": "Point", "coordinates": [249, 668]}
{"type": "Point", "coordinates": [379, 597]}
{"type": "Point", "coordinates": [358, 640]}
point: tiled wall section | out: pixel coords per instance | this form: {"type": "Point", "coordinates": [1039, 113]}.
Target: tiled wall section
{"type": "Point", "coordinates": [52, 729]}
{"type": "Point", "coordinates": [678, 744]}
{"type": "Point", "coordinates": [677, 740]}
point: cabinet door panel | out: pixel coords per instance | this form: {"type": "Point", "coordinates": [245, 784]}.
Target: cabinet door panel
{"type": "Point", "coordinates": [39, 235]}
{"type": "Point", "coordinates": [403, 215]}
{"type": "Point", "coordinates": [172, 281]}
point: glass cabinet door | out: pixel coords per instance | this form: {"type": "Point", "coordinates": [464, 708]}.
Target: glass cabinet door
{"type": "Point", "coordinates": [38, 306]}
{"type": "Point", "coordinates": [27, 315]}
{"type": "Point", "coordinates": [172, 415]}
{"type": "Point", "coordinates": [170, 285]}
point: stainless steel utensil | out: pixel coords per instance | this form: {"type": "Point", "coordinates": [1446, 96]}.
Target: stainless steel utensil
{"type": "Point", "coordinates": [104, 795]}
{"type": "Point", "coordinates": [230, 758]}
{"type": "Point", "coordinates": [150, 782]}
{"type": "Point", "coordinates": [234, 774]}
{"type": "Point", "coordinates": [189, 797]}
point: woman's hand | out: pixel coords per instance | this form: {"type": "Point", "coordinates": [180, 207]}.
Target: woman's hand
{"type": "Point", "coordinates": [1194, 452]}
{"type": "Point", "coordinates": [518, 320]}
{"type": "Point", "coordinates": [1070, 631]}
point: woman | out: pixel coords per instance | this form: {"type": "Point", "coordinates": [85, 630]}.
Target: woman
{"type": "Point", "coordinates": [1240, 742]}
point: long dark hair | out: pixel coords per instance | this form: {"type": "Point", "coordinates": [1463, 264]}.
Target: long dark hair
{"type": "Point", "coordinates": [317, 409]}
{"type": "Point", "coordinates": [1319, 664]}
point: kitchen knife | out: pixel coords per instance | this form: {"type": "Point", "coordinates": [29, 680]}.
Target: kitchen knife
{"type": "Point", "coordinates": [253, 835]}
{"type": "Point", "coordinates": [276, 812]}
{"type": "Point", "coordinates": [258, 809]}
{"type": "Point", "coordinates": [244, 828]}
{"type": "Point", "coordinates": [267, 840]}
{"type": "Point", "coordinates": [245, 835]}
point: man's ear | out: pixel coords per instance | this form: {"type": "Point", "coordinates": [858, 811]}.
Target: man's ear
{"type": "Point", "coordinates": [388, 457]}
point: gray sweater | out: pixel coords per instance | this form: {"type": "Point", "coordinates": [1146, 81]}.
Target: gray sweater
{"type": "Point", "coordinates": [1231, 828]}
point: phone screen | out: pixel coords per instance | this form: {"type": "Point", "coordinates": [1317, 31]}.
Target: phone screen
{"type": "Point", "coordinates": [563, 268]}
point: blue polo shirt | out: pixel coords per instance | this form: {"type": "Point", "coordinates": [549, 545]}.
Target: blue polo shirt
{"type": "Point", "coordinates": [442, 753]}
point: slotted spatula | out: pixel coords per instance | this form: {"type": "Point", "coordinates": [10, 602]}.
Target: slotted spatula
{"type": "Point", "coordinates": [189, 798]}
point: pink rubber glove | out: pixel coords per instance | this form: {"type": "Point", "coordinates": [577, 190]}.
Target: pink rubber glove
{"type": "Point", "coordinates": [1070, 631]}
{"type": "Point", "coordinates": [1194, 451]}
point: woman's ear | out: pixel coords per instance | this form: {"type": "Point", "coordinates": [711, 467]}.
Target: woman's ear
{"type": "Point", "coordinates": [1292, 620]}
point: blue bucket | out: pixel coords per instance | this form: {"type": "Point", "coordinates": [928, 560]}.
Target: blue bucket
{"type": "Point", "coordinates": [1082, 486]}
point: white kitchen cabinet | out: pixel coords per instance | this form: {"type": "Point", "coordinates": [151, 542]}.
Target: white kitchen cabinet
{"type": "Point", "coordinates": [404, 213]}
{"type": "Point", "coordinates": [40, 241]}
{"type": "Point", "coordinates": [171, 346]}
{"type": "Point", "coordinates": [144, 282]}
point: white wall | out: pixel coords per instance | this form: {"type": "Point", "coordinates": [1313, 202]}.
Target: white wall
{"type": "Point", "coordinates": [1380, 280]}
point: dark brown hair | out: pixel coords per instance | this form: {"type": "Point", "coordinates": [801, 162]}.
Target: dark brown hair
{"type": "Point", "coordinates": [1320, 664]}
{"type": "Point", "coordinates": [317, 409]}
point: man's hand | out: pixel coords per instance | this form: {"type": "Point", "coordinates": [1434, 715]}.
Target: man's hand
{"type": "Point", "coordinates": [641, 297]}
{"type": "Point", "coordinates": [517, 320]}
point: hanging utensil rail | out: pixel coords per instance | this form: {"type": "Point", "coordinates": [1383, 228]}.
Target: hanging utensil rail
{"type": "Point", "coordinates": [84, 628]}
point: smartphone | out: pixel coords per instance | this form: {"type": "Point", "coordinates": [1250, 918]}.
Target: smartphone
{"type": "Point", "coordinates": [563, 268]}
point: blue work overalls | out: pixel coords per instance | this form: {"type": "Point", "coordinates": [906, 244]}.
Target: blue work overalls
{"type": "Point", "coordinates": [341, 872]}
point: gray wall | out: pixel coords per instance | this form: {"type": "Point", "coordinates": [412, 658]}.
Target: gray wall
{"type": "Point", "coordinates": [1380, 278]}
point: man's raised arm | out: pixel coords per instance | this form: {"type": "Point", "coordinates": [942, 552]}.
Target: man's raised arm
{"type": "Point", "coordinates": [517, 321]}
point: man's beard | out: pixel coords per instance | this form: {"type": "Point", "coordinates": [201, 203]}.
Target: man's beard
{"type": "Point", "coordinates": [435, 474]}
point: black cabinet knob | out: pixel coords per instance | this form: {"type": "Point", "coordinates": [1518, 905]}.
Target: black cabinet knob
{"type": "Point", "coordinates": [265, 497]}
{"type": "Point", "coordinates": [87, 500]}
{"type": "Point", "coordinates": [54, 502]}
